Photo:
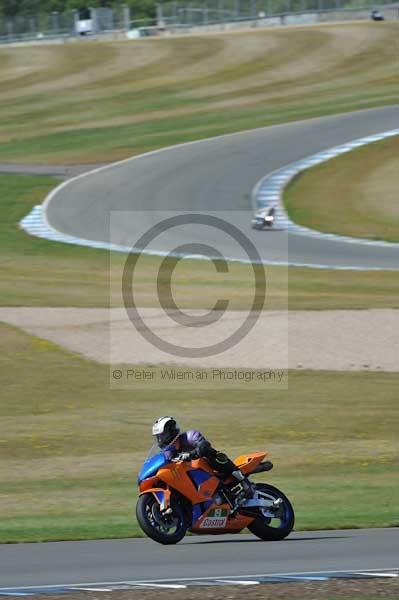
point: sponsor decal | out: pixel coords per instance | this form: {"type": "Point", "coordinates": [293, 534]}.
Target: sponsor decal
{"type": "Point", "coordinates": [176, 473]}
{"type": "Point", "coordinates": [216, 518]}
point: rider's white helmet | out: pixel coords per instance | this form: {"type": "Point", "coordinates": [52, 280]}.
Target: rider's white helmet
{"type": "Point", "coordinates": [165, 430]}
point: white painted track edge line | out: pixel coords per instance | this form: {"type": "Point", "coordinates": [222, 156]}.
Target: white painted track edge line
{"type": "Point", "coordinates": [273, 184]}
{"type": "Point", "coordinates": [238, 581]}
{"type": "Point", "coordinates": [85, 588]}
{"type": "Point", "coordinates": [377, 574]}
{"type": "Point", "coordinates": [162, 585]}
{"type": "Point", "coordinates": [67, 239]}
{"type": "Point", "coordinates": [207, 578]}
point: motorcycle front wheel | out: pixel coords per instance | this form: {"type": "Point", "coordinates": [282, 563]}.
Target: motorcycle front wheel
{"type": "Point", "coordinates": [164, 529]}
{"type": "Point", "coordinates": [276, 528]}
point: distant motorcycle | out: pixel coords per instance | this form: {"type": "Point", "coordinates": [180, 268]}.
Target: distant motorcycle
{"type": "Point", "coordinates": [264, 219]}
{"type": "Point", "coordinates": [179, 496]}
{"type": "Point", "coordinates": [376, 15]}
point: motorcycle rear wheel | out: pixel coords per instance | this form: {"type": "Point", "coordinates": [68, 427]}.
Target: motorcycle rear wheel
{"type": "Point", "coordinates": [263, 527]}
{"type": "Point", "coordinates": [164, 529]}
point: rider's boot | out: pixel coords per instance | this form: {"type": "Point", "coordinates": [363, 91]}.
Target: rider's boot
{"type": "Point", "coordinates": [244, 489]}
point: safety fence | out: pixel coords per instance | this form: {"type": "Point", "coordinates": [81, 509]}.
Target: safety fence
{"type": "Point", "coordinates": [174, 16]}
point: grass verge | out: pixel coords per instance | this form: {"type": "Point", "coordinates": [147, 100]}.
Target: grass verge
{"type": "Point", "coordinates": [35, 272]}
{"type": "Point", "coordinates": [354, 194]}
{"type": "Point", "coordinates": [102, 101]}
{"type": "Point", "coordinates": [70, 454]}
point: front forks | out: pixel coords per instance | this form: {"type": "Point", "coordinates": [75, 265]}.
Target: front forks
{"type": "Point", "coordinates": [164, 506]}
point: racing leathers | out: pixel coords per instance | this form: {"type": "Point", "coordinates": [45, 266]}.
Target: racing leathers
{"type": "Point", "coordinates": [192, 444]}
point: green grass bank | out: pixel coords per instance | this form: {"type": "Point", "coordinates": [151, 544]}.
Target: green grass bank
{"type": "Point", "coordinates": [355, 194]}
{"type": "Point", "coordinates": [71, 446]}
{"type": "Point", "coordinates": [101, 101]}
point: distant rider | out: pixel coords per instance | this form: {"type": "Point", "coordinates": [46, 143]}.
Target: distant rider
{"type": "Point", "coordinates": [191, 445]}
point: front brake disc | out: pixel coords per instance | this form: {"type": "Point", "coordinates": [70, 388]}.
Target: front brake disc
{"type": "Point", "coordinates": [164, 521]}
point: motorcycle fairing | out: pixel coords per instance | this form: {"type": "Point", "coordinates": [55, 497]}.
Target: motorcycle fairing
{"type": "Point", "coordinates": [198, 511]}
{"type": "Point", "coordinates": [217, 519]}
{"type": "Point", "coordinates": [162, 496]}
{"type": "Point", "coordinates": [248, 462]}
{"type": "Point", "coordinates": [196, 488]}
{"type": "Point", "coordinates": [204, 482]}
{"type": "Point", "coordinates": [151, 466]}
{"type": "Point", "coordinates": [197, 482]}
{"type": "Point", "coordinates": [199, 476]}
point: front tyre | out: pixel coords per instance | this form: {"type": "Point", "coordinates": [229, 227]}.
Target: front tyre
{"type": "Point", "coordinates": [164, 529]}
{"type": "Point", "coordinates": [278, 527]}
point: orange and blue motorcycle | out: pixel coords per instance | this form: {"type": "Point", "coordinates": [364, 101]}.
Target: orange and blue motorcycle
{"type": "Point", "coordinates": [177, 496]}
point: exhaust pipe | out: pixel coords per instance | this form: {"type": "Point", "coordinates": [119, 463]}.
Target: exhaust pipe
{"type": "Point", "coordinates": [263, 466]}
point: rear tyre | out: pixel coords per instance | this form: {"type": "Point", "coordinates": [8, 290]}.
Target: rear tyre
{"type": "Point", "coordinates": [277, 528]}
{"type": "Point", "coordinates": [164, 529]}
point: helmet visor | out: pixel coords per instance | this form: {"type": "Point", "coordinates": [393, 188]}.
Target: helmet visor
{"type": "Point", "coordinates": [167, 438]}
{"type": "Point", "coordinates": [162, 439]}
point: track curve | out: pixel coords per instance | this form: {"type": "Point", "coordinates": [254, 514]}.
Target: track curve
{"type": "Point", "coordinates": [219, 174]}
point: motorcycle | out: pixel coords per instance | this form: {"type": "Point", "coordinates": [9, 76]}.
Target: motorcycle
{"type": "Point", "coordinates": [177, 496]}
{"type": "Point", "coordinates": [264, 219]}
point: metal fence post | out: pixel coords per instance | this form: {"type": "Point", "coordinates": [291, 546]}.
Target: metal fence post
{"type": "Point", "coordinates": [54, 22]}
{"type": "Point", "coordinates": [205, 17]}
{"type": "Point", "coordinates": [159, 15]}
{"type": "Point", "coordinates": [75, 14]}
{"type": "Point", "coordinates": [237, 9]}
{"type": "Point", "coordinates": [32, 27]}
{"type": "Point", "coordinates": [10, 28]}
{"type": "Point", "coordinates": [126, 17]}
{"type": "Point", "coordinates": [93, 16]}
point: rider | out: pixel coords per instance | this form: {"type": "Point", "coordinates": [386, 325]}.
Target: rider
{"type": "Point", "coordinates": [192, 444]}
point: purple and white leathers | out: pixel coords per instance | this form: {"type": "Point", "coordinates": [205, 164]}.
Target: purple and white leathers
{"type": "Point", "coordinates": [192, 444]}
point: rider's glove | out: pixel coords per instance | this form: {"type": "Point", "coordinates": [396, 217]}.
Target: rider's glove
{"type": "Point", "coordinates": [185, 456]}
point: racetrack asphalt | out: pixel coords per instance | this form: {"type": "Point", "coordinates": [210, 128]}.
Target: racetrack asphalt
{"type": "Point", "coordinates": [105, 561]}
{"type": "Point", "coordinates": [219, 174]}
